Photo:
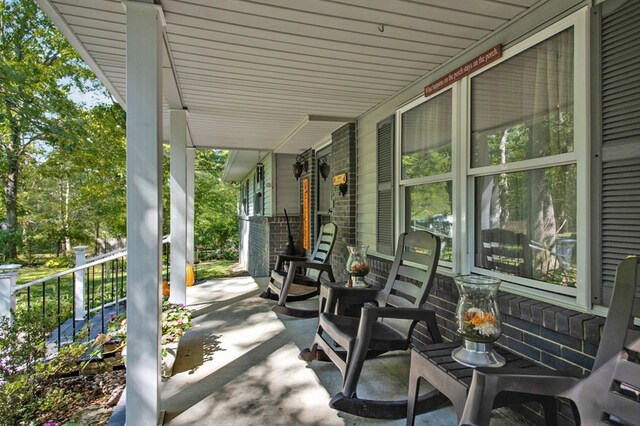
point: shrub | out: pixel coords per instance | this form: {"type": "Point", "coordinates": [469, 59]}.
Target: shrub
{"type": "Point", "coordinates": [26, 394]}
{"type": "Point", "coordinates": [60, 262]}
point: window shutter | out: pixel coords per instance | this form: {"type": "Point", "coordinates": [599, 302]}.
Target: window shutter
{"type": "Point", "coordinates": [385, 239]}
{"type": "Point", "coordinates": [620, 103]}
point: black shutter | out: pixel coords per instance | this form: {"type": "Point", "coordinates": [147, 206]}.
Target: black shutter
{"type": "Point", "coordinates": [385, 239]}
{"type": "Point", "coordinates": [620, 132]}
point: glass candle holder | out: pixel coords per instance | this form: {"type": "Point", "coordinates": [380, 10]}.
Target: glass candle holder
{"type": "Point", "coordinates": [478, 320]}
{"type": "Point", "coordinates": [357, 265]}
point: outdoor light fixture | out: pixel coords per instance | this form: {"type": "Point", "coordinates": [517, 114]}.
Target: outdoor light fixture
{"type": "Point", "coordinates": [260, 172]}
{"type": "Point", "coordinates": [324, 168]}
{"type": "Point", "coordinates": [299, 166]}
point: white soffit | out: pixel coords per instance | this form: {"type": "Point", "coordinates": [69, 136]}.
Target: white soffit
{"type": "Point", "coordinates": [250, 72]}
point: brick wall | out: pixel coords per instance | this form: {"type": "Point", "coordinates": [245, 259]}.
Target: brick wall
{"type": "Point", "coordinates": [557, 337]}
{"type": "Point", "coordinates": [343, 159]}
{"type": "Point", "coordinates": [266, 238]}
{"type": "Point", "coordinates": [278, 236]}
{"type": "Point", "coordinates": [258, 241]}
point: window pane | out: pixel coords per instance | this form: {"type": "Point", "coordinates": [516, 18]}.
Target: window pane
{"type": "Point", "coordinates": [429, 209]}
{"type": "Point", "coordinates": [526, 224]}
{"type": "Point", "coordinates": [426, 138]}
{"type": "Point", "coordinates": [523, 107]}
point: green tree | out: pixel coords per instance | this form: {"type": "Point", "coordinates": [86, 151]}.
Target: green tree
{"type": "Point", "coordinates": [78, 192]}
{"type": "Point", "coordinates": [216, 205]}
{"type": "Point", "coordinates": [38, 69]}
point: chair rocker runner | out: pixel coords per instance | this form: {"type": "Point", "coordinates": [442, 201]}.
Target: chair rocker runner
{"type": "Point", "coordinates": [610, 392]}
{"type": "Point", "coordinates": [387, 320]}
{"type": "Point", "coordinates": [289, 286]}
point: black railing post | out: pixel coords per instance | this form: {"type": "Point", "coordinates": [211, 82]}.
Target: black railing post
{"type": "Point", "coordinates": [58, 314]}
{"type": "Point", "coordinates": [102, 295]}
{"type": "Point", "coordinates": [73, 305]}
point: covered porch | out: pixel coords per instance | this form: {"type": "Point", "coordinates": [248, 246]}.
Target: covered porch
{"type": "Point", "coordinates": [240, 363]}
{"type": "Point", "coordinates": [283, 82]}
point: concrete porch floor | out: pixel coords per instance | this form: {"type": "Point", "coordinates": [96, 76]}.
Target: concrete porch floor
{"type": "Point", "coordinates": [239, 366]}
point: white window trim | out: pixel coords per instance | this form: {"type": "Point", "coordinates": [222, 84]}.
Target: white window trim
{"type": "Point", "coordinates": [463, 177]}
{"type": "Point", "coordinates": [444, 267]}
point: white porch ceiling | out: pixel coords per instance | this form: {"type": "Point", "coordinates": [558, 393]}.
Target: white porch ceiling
{"type": "Point", "coordinates": [250, 72]}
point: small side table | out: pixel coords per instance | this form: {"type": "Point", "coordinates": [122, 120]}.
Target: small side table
{"type": "Point", "coordinates": [452, 379]}
{"type": "Point", "coordinates": [343, 304]}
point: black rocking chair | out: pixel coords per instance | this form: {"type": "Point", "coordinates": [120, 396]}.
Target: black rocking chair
{"type": "Point", "coordinates": [386, 322]}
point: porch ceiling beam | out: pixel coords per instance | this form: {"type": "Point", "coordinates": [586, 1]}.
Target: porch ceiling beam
{"type": "Point", "coordinates": [309, 119]}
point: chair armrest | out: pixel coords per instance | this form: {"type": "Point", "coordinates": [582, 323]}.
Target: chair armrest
{"type": "Point", "coordinates": [370, 314]}
{"type": "Point", "coordinates": [537, 380]}
{"type": "Point", "coordinates": [417, 314]}
{"type": "Point", "coordinates": [287, 258]}
{"type": "Point", "coordinates": [325, 267]}
{"type": "Point", "coordinates": [487, 383]}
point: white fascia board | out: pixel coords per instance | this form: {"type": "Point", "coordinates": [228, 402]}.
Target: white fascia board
{"type": "Point", "coordinates": [57, 19]}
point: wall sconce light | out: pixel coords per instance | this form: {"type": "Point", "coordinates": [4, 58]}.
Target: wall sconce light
{"type": "Point", "coordinates": [324, 168]}
{"type": "Point", "coordinates": [259, 172]}
{"type": "Point", "coordinates": [343, 189]}
{"type": "Point", "coordinates": [299, 166]}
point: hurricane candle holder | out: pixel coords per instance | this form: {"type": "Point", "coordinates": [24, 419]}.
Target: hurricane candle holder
{"type": "Point", "coordinates": [478, 321]}
{"type": "Point", "coordinates": [357, 265]}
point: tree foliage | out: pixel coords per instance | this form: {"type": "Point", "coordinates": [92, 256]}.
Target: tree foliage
{"type": "Point", "coordinates": [38, 69]}
{"type": "Point", "coordinates": [216, 205]}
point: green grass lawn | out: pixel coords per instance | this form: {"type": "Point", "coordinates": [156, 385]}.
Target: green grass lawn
{"type": "Point", "coordinates": [215, 269]}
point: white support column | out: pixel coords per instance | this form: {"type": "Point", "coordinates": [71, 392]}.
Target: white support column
{"type": "Point", "coordinates": [191, 168]}
{"type": "Point", "coordinates": [80, 312]}
{"type": "Point", "coordinates": [144, 211]}
{"type": "Point", "coordinates": [8, 276]}
{"type": "Point", "coordinates": [178, 125]}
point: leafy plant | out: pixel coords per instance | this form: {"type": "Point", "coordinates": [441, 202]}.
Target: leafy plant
{"type": "Point", "coordinates": [26, 375]}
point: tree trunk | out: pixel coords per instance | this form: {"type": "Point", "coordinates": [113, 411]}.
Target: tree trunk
{"type": "Point", "coordinates": [11, 193]}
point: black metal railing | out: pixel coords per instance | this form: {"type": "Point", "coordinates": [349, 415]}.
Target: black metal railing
{"type": "Point", "coordinates": [104, 293]}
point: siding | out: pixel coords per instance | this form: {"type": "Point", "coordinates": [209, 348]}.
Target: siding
{"type": "Point", "coordinates": [287, 187]}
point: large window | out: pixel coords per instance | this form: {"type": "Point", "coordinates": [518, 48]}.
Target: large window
{"type": "Point", "coordinates": [426, 178]}
{"type": "Point", "coordinates": [525, 211]}
{"type": "Point", "coordinates": [497, 165]}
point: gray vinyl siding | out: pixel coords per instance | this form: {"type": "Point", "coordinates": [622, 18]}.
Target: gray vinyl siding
{"type": "Point", "coordinates": [288, 189]}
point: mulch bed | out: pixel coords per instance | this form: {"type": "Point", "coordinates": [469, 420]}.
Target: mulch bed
{"type": "Point", "coordinates": [92, 400]}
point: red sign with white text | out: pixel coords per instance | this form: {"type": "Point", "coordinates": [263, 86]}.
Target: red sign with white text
{"type": "Point", "coordinates": [475, 64]}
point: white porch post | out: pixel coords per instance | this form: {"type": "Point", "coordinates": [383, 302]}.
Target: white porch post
{"type": "Point", "coordinates": [191, 164]}
{"type": "Point", "coordinates": [144, 211]}
{"type": "Point", "coordinates": [80, 252]}
{"type": "Point", "coordinates": [178, 125]}
{"type": "Point", "coordinates": [8, 276]}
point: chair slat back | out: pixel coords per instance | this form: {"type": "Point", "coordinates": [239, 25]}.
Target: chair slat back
{"type": "Point", "coordinates": [619, 321]}
{"type": "Point", "coordinates": [614, 384]}
{"type": "Point", "coordinates": [324, 246]}
{"type": "Point", "coordinates": [505, 251]}
{"type": "Point", "coordinates": [409, 284]}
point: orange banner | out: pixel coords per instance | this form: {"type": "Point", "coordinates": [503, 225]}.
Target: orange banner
{"type": "Point", "coordinates": [306, 241]}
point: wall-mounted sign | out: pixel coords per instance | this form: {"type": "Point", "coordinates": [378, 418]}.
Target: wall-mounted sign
{"type": "Point", "coordinates": [340, 179]}
{"type": "Point", "coordinates": [306, 242]}
{"type": "Point", "coordinates": [475, 64]}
